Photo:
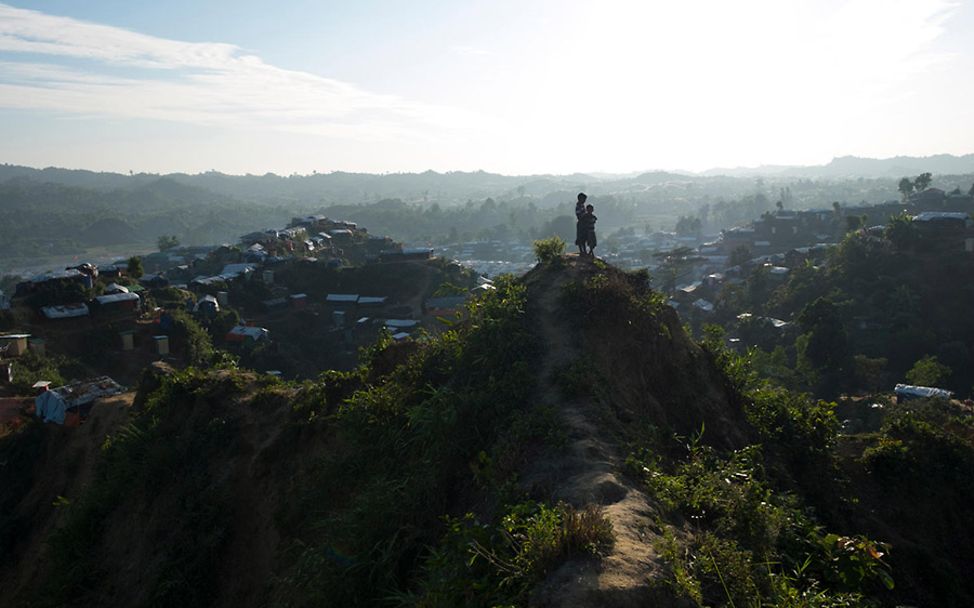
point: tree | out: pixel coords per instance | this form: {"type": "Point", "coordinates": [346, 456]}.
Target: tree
{"type": "Point", "coordinates": [135, 269]}
{"type": "Point", "coordinates": [740, 255]}
{"type": "Point", "coordinates": [562, 226]}
{"type": "Point", "coordinates": [901, 232]}
{"type": "Point", "coordinates": [971, 191]}
{"type": "Point", "coordinates": [928, 371]}
{"type": "Point", "coordinates": [824, 347]}
{"type": "Point", "coordinates": [906, 188]}
{"type": "Point", "coordinates": [166, 243]}
{"type": "Point", "coordinates": [870, 372]}
{"type": "Point", "coordinates": [922, 182]}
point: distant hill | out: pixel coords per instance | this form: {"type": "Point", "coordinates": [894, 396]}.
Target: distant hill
{"type": "Point", "coordinates": [316, 188]}
{"type": "Point", "coordinates": [853, 167]}
{"type": "Point", "coordinates": [355, 188]}
{"type": "Point", "coordinates": [898, 166]}
{"type": "Point", "coordinates": [41, 219]}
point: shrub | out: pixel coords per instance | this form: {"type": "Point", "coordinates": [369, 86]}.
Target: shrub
{"type": "Point", "coordinates": [414, 441]}
{"type": "Point", "coordinates": [928, 371]}
{"type": "Point", "coordinates": [31, 367]}
{"type": "Point", "coordinates": [478, 564]}
{"type": "Point", "coordinates": [543, 536]}
{"type": "Point", "coordinates": [915, 455]}
{"type": "Point", "coordinates": [549, 249]}
{"type": "Point", "coordinates": [740, 527]}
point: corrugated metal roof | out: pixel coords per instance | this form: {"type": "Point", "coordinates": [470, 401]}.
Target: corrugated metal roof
{"type": "Point", "coordinates": [344, 298]}
{"type": "Point", "coordinates": [117, 297]}
{"type": "Point", "coordinates": [67, 311]}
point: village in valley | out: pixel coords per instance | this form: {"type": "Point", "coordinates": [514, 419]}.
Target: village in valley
{"type": "Point", "coordinates": [290, 303]}
{"type": "Point", "coordinates": [295, 301]}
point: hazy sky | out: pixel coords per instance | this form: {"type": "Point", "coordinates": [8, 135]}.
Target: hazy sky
{"type": "Point", "coordinates": [513, 86]}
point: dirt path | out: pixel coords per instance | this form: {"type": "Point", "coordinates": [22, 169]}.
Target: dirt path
{"type": "Point", "coordinates": [590, 473]}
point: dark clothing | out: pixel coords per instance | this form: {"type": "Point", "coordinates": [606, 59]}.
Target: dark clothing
{"type": "Point", "coordinates": [579, 212]}
{"type": "Point", "coordinates": [586, 229]}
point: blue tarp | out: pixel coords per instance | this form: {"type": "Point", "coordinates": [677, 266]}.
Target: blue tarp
{"type": "Point", "coordinates": [50, 407]}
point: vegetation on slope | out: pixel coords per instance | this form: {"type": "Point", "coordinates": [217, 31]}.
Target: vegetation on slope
{"type": "Point", "coordinates": [397, 483]}
{"type": "Point", "coordinates": [865, 317]}
{"type": "Point", "coordinates": [414, 457]}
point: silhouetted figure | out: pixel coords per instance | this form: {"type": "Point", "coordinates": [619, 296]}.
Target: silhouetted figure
{"type": "Point", "coordinates": [586, 225]}
{"type": "Point", "coordinates": [579, 212]}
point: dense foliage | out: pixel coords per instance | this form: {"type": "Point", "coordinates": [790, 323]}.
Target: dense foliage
{"type": "Point", "coordinates": [866, 316]}
{"type": "Point", "coordinates": [418, 506]}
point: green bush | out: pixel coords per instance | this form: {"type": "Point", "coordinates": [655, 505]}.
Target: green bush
{"type": "Point", "coordinates": [928, 371]}
{"type": "Point", "coordinates": [549, 249]}
{"type": "Point", "coordinates": [543, 536]}
{"type": "Point", "coordinates": [195, 339]}
{"type": "Point", "coordinates": [485, 565]}
{"type": "Point", "coordinates": [31, 367]}
{"type": "Point", "coordinates": [140, 461]}
{"type": "Point", "coordinates": [609, 296]}
{"type": "Point", "coordinates": [916, 455]}
{"type": "Point", "coordinates": [749, 545]}
{"type": "Point", "coordinates": [415, 437]}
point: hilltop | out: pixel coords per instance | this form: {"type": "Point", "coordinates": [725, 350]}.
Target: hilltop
{"type": "Point", "coordinates": [567, 444]}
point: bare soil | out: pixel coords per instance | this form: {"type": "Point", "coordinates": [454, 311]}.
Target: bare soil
{"type": "Point", "coordinates": [589, 474]}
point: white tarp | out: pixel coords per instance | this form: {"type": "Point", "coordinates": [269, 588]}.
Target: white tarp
{"type": "Point", "coordinates": [909, 390]}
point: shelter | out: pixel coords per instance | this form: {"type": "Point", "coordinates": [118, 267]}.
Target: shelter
{"type": "Point", "coordinates": [111, 270]}
{"type": "Point", "coordinates": [70, 274]}
{"type": "Point", "coordinates": [68, 311]}
{"type": "Point", "coordinates": [207, 305]}
{"type": "Point", "coordinates": [119, 301]}
{"type": "Point", "coordinates": [367, 301]}
{"type": "Point", "coordinates": [401, 324]}
{"type": "Point", "coordinates": [14, 344]}
{"type": "Point", "coordinates": [113, 288]}
{"type": "Point", "coordinates": [154, 281]}
{"type": "Point", "coordinates": [704, 305]}
{"type": "Point", "coordinates": [907, 392]}
{"type": "Point", "coordinates": [482, 288]}
{"type": "Point", "coordinates": [54, 405]}
{"type": "Point", "coordinates": [232, 271]}
{"type": "Point", "coordinates": [955, 217]}
{"type": "Point", "coordinates": [342, 299]}
{"type": "Point", "coordinates": [204, 281]}
{"type": "Point", "coordinates": [247, 334]}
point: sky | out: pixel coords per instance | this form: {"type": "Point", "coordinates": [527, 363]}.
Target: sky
{"type": "Point", "coordinates": [508, 86]}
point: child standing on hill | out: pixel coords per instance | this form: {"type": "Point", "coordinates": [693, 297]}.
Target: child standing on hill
{"type": "Point", "coordinates": [579, 212]}
{"type": "Point", "coordinates": [586, 226]}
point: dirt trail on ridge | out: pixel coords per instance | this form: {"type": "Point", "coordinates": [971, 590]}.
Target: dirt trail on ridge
{"type": "Point", "coordinates": [589, 474]}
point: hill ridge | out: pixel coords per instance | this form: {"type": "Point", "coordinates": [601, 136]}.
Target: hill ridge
{"type": "Point", "coordinates": [594, 477]}
{"type": "Point", "coordinates": [591, 472]}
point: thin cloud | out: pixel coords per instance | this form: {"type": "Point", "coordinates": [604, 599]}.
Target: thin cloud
{"type": "Point", "coordinates": [200, 83]}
